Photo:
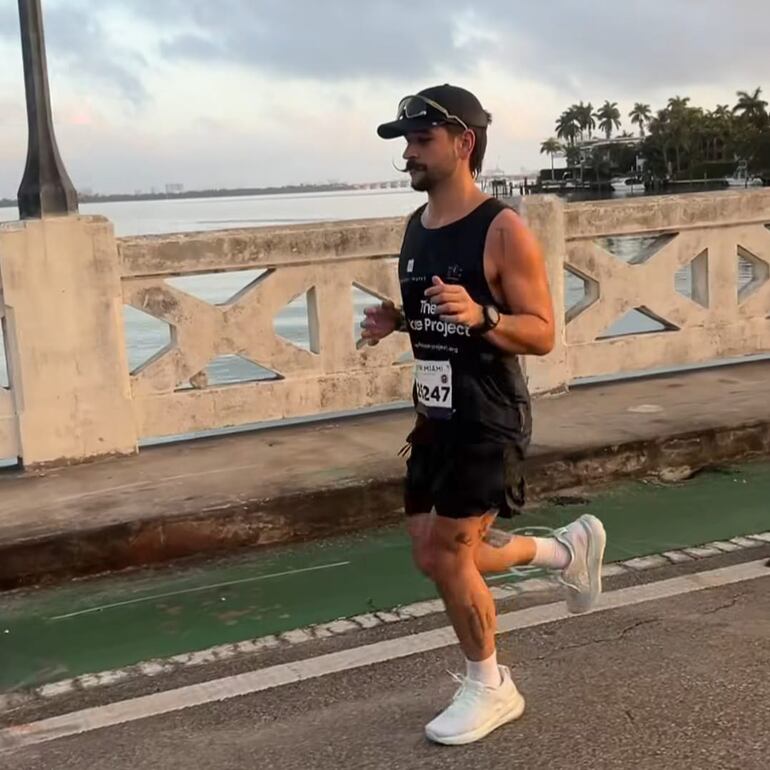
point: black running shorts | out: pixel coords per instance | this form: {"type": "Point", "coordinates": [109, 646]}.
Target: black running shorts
{"type": "Point", "coordinates": [461, 480]}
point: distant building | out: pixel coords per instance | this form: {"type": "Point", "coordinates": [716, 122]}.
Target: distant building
{"type": "Point", "coordinates": [174, 189]}
{"type": "Point", "coordinates": [589, 149]}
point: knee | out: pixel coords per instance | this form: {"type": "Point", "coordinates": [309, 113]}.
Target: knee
{"type": "Point", "coordinates": [423, 559]}
{"type": "Point", "coordinates": [436, 563]}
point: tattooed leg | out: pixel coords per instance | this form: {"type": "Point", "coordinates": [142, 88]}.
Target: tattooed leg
{"type": "Point", "coordinates": [469, 604]}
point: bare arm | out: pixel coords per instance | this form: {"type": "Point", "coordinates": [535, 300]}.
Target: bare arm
{"type": "Point", "coordinates": [520, 275]}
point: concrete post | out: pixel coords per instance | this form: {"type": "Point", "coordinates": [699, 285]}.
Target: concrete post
{"type": "Point", "coordinates": [65, 341]}
{"type": "Point", "coordinates": [545, 216]}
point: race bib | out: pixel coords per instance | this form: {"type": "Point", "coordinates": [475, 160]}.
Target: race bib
{"type": "Point", "coordinates": [433, 384]}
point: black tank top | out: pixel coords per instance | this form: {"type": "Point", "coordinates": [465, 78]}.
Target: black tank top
{"type": "Point", "coordinates": [464, 385]}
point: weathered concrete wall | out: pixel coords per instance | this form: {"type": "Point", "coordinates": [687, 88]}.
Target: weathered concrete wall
{"type": "Point", "coordinates": [710, 233]}
{"type": "Point", "coordinates": [64, 282]}
{"type": "Point", "coordinates": [325, 262]}
{"type": "Point", "coordinates": [666, 213]}
{"type": "Point", "coordinates": [64, 341]}
{"type": "Point", "coordinates": [186, 253]}
{"type": "Point", "coordinates": [545, 214]}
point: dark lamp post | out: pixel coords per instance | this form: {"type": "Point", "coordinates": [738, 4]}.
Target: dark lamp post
{"type": "Point", "coordinates": [46, 189]}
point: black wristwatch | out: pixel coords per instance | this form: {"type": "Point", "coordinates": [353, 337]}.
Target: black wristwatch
{"type": "Point", "coordinates": [491, 317]}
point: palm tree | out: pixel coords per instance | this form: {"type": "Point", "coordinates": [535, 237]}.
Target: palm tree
{"type": "Point", "coordinates": [750, 126]}
{"type": "Point", "coordinates": [680, 123]}
{"type": "Point", "coordinates": [659, 139]}
{"type": "Point", "coordinates": [584, 114]}
{"type": "Point", "coordinates": [567, 126]}
{"type": "Point", "coordinates": [693, 130]}
{"type": "Point", "coordinates": [608, 116]}
{"type": "Point", "coordinates": [551, 147]}
{"type": "Point", "coordinates": [678, 103]}
{"type": "Point", "coordinates": [719, 123]}
{"type": "Point", "coordinates": [640, 116]}
{"type": "Point", "coordinates": [684, 129]}
{"type": "Point", "coordinates": [751, 107]}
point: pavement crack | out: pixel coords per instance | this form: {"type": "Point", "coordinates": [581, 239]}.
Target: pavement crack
{"type": "Point", "coordinates": [726, 606]}
{"type": "Point", "coordinates": [618, 637]}
{"type": "Point", "coordinates": [638, 624]}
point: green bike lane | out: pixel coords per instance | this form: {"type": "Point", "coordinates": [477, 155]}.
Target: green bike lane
{"type": "Point", "coordinates": [111, 622]}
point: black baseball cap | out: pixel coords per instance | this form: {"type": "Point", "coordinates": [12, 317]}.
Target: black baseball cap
{"type": "Point", "coordinates": [436, 106]}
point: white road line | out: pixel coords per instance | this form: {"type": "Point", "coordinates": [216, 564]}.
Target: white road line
{"type": "Point", "coordinates": [184, 591]}
{"type": "Point", "coordinates": [122, 712]}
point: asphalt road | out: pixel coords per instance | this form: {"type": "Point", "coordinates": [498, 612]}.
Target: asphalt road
{"type": "Point", "coordinates": [679, 683]}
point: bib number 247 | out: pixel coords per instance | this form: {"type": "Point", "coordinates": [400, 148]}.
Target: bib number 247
{"type": "Point", "coordinates": [433, 384]}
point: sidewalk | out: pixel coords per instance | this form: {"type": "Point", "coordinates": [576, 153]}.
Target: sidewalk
{"type": "Point", "coordinates": [312, 481]}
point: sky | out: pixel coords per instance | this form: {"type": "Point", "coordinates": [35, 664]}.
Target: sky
{"type": "Point", "coordinates": [269, 92]}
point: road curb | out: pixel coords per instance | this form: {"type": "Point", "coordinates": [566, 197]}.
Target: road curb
{"type": "Point", "coordinates": [340, 509]}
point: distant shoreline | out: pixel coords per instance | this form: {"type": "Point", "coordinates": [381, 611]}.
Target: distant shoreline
{"type": "Point", "coordinates": [191, 194]}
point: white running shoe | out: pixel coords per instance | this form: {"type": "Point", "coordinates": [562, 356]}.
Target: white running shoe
{"type": "Point", "coordinates": [476, 710]}
{"type": "Point", "coordinates": [585, 539]}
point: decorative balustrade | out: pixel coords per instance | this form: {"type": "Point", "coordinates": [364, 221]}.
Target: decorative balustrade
{"type": "Point", "coordinates": [666, 282]}
{"type": "Point", "coordinates": [701, 280]}
{"type": "Point", "coordinates": [322, 263]}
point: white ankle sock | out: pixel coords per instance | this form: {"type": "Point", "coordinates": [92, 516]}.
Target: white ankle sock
{"type": "Point", "coordinates": [550, 553]}
{"type": "Point", "coordinates": [484, 671]}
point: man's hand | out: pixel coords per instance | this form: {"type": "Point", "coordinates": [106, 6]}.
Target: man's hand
{"type": "Point", "coordinates": [379, 321]}
{"type": "Point", "coordinates": [454, 303]}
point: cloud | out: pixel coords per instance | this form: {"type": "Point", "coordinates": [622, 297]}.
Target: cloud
{"type": "Point", "coordinates": [333, 40]}
{"type": "Point", "coordinates": [284, 72]}
{"type": "Point", "coordinates": [615, 52]}
{"type": "Point", "coordinates": [566, 44]}
{"type": "Point", "coordinates": [77, 38]}
{"type": "Point", "coordinates": [640, 45]}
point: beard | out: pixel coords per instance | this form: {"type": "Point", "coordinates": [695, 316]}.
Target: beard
{"type": "Point", "coordinates": [423, 179]}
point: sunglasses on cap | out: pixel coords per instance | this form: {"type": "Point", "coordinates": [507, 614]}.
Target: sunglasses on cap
{"type": "Point", "coordinates": [420, 107]}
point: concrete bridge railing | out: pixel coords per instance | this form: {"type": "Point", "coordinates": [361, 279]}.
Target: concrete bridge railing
{"type": "Point", "coordinates": [66, 280]}
{"type": "Point", "coordinates": [706, 286]}
{"type": "Point", "coordinates": [322, 263]}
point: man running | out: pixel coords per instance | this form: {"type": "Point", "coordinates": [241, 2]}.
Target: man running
{"type": "Point", "coordinates": [475, 297]}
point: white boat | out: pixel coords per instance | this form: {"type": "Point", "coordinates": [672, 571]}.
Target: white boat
{"type": "Point", "coordinates": [632, 184]}
{"type": "Point", "coordinates": [735, 181]}
{"type": "Point", "coordinates": [741, 178]}
{"type": "Point", "coordinates": [566, 183]}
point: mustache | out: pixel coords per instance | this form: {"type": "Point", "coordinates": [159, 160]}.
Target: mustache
{"type": "Point", "coordinates": [410, 166]}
